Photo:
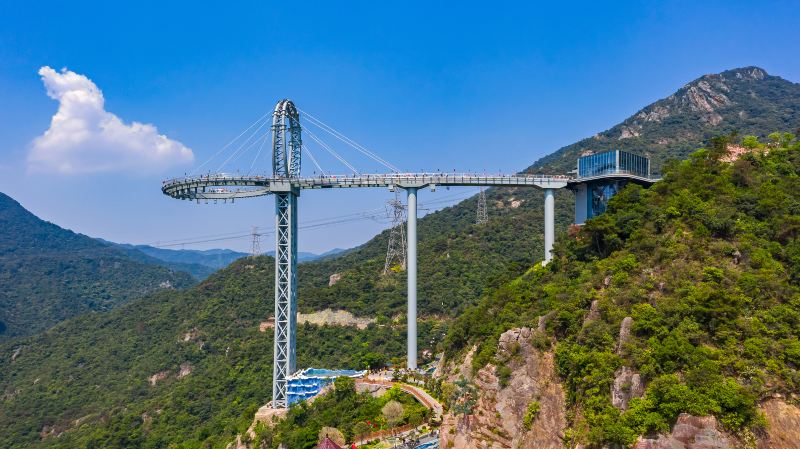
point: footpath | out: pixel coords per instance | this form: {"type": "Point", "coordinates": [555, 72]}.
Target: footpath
{"type": "Point", "coordinates": [419, 394]}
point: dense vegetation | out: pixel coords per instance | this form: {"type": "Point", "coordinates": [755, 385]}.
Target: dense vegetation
{"type": "Point", "coordinates": [354, 414]}
{"type": "Point", "coordinates": [48, 274]}
{"type": "Point", "coordinates": [706, 262]}
{"type": "Point", "coordinates": [89, 379]}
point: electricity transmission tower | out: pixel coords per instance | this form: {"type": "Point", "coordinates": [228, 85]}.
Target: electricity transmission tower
{"type": "Point", "coordinates": [396, 251]}
{"type": "Point", "coordinates": [482, 215]}
{"type": "Point", "coordinates": [255, 250]}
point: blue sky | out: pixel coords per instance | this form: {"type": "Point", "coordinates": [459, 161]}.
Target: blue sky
{"type": "Point", "coordinates": [459, 85]}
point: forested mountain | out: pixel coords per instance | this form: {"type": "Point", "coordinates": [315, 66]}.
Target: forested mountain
{"type": "Point", "coordinates": [458, 261]}
{"type": "Point", "coordinates": [48, 274]}
{"type": "Point", "coordinates": [692, 285]}
{"type": "Point", "coordinates": [88, 379]}
{"type": "Point", "coordinates": [181, 367]}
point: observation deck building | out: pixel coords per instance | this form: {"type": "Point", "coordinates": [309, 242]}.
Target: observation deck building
{"type": "Point", "coordinates": [600, 176]}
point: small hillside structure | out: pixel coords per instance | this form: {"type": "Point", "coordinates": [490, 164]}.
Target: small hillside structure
{"type": "Point", "coordinates": [327, 443]}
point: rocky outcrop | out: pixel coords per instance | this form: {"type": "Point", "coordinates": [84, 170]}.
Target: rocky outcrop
{"type": "Point", "coordinates": [630, 131]}
{"type": "Point", "coordinates": [265, 325]}
{"type": "Point", "coordinates": [594, 312]}
{"type": "Point", "coordinates": [627, 385]}
{"type": "Point", "coordinates": [691, 432]}
{"type": "Point", "coordinates": [783, 425]}
{"type": "Point", "coordinates": [541, 325]}
{"type": "Point", "coordinates": [334, 278]}
{"type": "Point", "coordinates": [497, 421]}
{"type": "Point", "coordinates": [155, 378]}
{"type": "Point", "coordinates": [624, 333]}
{"type": "Point", "coordinates": [186, 369]}
{"type": "Point", "coordinates": [334, 318]}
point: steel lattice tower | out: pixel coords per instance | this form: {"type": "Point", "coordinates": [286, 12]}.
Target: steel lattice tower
{"type": "Point", "coordinates": [396, 250]}
{"type": "Point", "coordinates": [255, 249]}
{"type": "Point", "coordinates": [286, 145]}
{"type": "Point", "coordinates": [482, 214]}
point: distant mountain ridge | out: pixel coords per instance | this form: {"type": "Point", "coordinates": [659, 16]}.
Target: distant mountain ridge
{"type": "Point", "coordinates": [49, 274]}
{"type": "Point", "coordinates": [198, 263]}
{"type": "Point", "coordinates": [202, 263]}
{"type": "Point", "coordinates": [303, 256]}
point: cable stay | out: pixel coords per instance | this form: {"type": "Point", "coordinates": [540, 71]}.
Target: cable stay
{"type": "Point", "coordinates": [329, 129]}
{"type": "Point", "coordinates": [197, 170]}
{"type": "Point", "coordinates": [330, 150]}
{"type": "Point", "coordinates": [261, 147]}
{"type": "Point", "coordinates": [314, 160]}
{"type": "Point", "coordinates": [243, 147]}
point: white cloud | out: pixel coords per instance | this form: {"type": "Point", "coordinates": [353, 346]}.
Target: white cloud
{"type": "Point", "coordinates": [85, 138]}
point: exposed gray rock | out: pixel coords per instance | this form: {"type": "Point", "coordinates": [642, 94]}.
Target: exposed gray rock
{"type": "Point", "coordinates": [542, 323]}
{"type": "Point", "coordinates": [186, 369]}
{"type": "Point", "coordinates": [627, 385]}
{"type": "Point", "coordinates": [624, 333]}
{"type": "Point", "coordinates": [594, 313]}
{"type": "Point", "coordinates": [630, 131]}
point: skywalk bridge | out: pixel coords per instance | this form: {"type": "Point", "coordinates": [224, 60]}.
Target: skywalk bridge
{"type": "Point", "coordinates": [226, 186]}
{"type": "Point", "coordinates": [598, 177]}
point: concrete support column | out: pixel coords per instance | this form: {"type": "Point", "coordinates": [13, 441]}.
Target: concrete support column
{"type": "Point", "coordinates": [411, 271]}
{"type": "Point", "coordinates": [549, 223]}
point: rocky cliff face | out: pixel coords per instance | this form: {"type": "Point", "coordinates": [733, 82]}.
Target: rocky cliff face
{"type": "Point", "coordinates": [693, 432]}
{"type": "Point", "coordinates": [498, 421]}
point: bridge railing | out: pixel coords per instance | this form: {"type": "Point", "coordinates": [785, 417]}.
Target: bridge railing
{"type": "Point", "coordinates": [222, 177]}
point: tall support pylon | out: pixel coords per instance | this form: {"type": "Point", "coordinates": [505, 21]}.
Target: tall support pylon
{"type": "Point", "coordinates": [286, 146]}
{"type": "Point", "coordinates": [482, 215]}
{"type": "Point", "coordinates": [549, 224]}
{"type": "Point", "coordinates": [411, 272]}
{"type": "Point", "coordinates": [396, 249]}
